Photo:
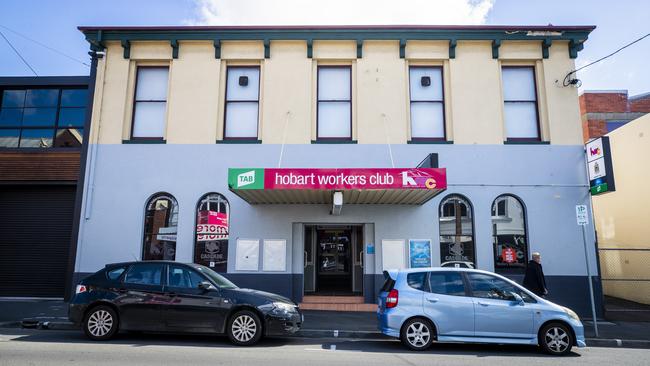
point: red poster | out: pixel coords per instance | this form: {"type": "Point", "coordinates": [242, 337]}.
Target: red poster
{"type": "Point", "coordinates": [509, 255]}
{"type": "Point", "coordinates": [212, 225]}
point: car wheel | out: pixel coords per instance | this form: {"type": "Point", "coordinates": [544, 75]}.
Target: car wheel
{"type": "Point", "coordinates": [244, 328]}
{"type": "Point", "coordinates": [100, 323]}
{"type": "Point", "coordinates": [556, 339]}
{"type": "Point", "coordinates": [417, 334]}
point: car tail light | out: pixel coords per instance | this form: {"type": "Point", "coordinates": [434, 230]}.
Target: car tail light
{"type": "Point", "coordinates": [80, 289]}
{"type": "Point", "coordinates": [391, 299]}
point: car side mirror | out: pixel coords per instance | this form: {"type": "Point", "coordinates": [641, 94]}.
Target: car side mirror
{"type": "Point", "coordinates": [516, 298]}
{"type": "Point", "coordinates": [206, 286]}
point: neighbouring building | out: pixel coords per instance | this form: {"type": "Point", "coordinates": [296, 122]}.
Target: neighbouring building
{"type": "Point", "coordinates": [621, 217]}
{"type": "Point", "coordinates": [42, 123]}
{"type": "Point", "coordinates": [307, 160]}
{"type": "Point", "coordinates": [603, 111]}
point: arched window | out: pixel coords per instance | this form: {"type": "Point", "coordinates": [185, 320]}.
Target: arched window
{"type": "Point", "coordinates": [509, 234]}
{"type": "Point", "coordinates": [456, 230]}
{"type": "Point", "coordinates": [160, 223]}
{"type": "Point", "coordinates": [211, 234]}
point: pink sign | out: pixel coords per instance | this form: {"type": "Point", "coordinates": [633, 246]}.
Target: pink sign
{"type": "Point", "coordinates": [351, 178]}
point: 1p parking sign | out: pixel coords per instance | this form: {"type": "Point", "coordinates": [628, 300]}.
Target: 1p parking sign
{"type": "Point", "coordinates": [581, 215]}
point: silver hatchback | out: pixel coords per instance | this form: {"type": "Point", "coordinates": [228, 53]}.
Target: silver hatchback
{"type": "Point", "coordinates": [424, 305]}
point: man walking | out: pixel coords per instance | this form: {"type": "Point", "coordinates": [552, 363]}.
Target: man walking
{"type": "Point", "coordinates": [534, 278]}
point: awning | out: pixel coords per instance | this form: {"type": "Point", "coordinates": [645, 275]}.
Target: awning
{"type": "Point", "coordinates": [409, 186]}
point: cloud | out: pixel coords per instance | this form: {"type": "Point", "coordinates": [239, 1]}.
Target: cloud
{"type": "Point", "coordinates": [340, 12]}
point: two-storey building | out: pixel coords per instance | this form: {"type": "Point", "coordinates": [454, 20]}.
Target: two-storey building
{"type": "Point", "coordinates": [306, 160]}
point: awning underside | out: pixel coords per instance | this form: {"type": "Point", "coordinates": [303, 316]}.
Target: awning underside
{"type": "Point", "coordinates": [304, 196]}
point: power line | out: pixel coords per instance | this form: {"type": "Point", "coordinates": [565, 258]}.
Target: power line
{"type": "Point", "coordinates": [18, 53]}
{"type": "Point", "coordinates": [45, 46]}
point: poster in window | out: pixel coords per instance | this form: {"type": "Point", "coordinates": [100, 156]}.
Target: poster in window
{"type": "Point", "coordinates": [456, 248]}
{"type": "Point", "coordinates": [419, 253]}
{"type": "Point", "coordinates": [510, 252]}
{"type": "Point", "coordinates": [211, 248]}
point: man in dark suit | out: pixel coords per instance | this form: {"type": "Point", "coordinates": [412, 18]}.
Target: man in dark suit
{"type": "Point", "coordinates": [534, 278]}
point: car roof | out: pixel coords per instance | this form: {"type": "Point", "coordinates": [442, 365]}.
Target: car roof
{"type": "Point", "coordinates": [437, 269]}
{"type": "Point", "coordinates": [155, 261]}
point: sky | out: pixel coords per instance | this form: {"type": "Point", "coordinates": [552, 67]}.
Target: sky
{"type": "Point", "coordinates": [54, 24]}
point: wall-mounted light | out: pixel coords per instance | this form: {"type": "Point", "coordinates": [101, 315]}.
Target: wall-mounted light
{"type": "Point", "coordinates": [425, 81]}
{"type": "Point", "coordinates": [243, 81]}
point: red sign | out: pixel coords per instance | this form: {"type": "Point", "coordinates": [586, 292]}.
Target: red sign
{"type": "Point", "coordinates": [212, 225]}
{"type": "Point", "coordinates": [350, 178]}
{"type": "Point", "coordinates": [509, 255]}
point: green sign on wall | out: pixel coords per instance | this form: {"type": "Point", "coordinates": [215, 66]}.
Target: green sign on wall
{"type": "Point", "coordinates": [246, 178]}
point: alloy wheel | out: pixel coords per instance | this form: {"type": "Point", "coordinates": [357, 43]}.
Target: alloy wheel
{"type": "Point", "coordinates": [100, 323]}
{"type": "Point", "coordinates": [418, 334]}
{"type": "Point", "coordinates": [244, 328]}
{"type": "Point", "coordinates": [557, 339]}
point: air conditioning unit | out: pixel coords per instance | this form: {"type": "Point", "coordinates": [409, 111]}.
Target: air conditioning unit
{"type": "Point", "coordinates": [337, 203]}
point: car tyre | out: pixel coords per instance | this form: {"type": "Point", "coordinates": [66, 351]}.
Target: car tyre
{"type": "Point", "coordinates": [417, 334]}
{"type": "Point", "coordinates": [101, 323]}
{"type": "Point", "coordinates": [556, 339]}
{"type": "Point", "coordinates": [244, 328]}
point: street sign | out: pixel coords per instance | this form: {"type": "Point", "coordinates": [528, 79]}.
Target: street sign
{"type": "Point", "coordinates": [581, 215]}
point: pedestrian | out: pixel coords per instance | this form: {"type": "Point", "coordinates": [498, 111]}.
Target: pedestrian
{"type": "Point", "coordinates": [534, 279]}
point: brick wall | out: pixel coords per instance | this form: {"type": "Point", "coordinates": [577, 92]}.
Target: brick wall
{"type": "Point", "coordinates": [608, 102]}
{"type": "Point", "coordinates": [641, 104]}
{"type": "Point", "coordinates": [603, 103]}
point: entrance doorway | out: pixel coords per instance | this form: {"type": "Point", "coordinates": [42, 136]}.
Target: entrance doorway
{"type": "Point", "coordinates": [333, 260]}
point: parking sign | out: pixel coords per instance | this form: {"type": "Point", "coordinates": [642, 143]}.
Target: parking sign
{"type": "Point", "coordinates": [581, 215]}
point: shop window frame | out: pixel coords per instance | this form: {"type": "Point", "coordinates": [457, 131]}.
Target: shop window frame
{"type": "Point", "coordinates": [469, 216]}
{"type": "Point", "coordinates": [502, 270]}
{"type": "Point", "coordinates": [154, 197]}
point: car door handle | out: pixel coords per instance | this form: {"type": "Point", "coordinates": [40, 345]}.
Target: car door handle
{"type": "Point", "coordinates": [432, 299]}
{"type": "Point", "coordinates": [483, 303]}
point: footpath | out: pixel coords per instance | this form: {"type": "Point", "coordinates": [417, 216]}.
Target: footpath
{"type": "Point", "coordinates": [52, 314]}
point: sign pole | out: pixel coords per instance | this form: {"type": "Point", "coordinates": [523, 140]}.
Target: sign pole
{"type": "Point", "coordinates": [591, 286]}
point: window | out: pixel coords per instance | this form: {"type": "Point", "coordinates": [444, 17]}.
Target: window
{"type": "Point", "coordinates": [150, 103]}
{"type": "Point", "coordinates": [456, 230]}
{"type": "Point", "coordinates": [490, 287]}
{"type": "Point", "coordinates": [334, 107]}
{"type": "Point", "coordinates": [217, 279]}
{"type": "Point", "coordinates": [520, 103]}
{"type": "Point", "coordinates": [115, 273]}
{"type": "Point", "coordinates": [509, 235]}
{"type": "Point", "coordinates": [417, 280]}
{"type": "Point", "coordinates": [183, 277]}
{"type": "Point", "coordinates": [242, 102]}
{"type": "Point", "coordinates": [446, 283]}
{"type": "Point", "coordinates": [160, 222]}
{"type": "Point", "coordinates": [42, 118]}
{"type": "Point", "coordinates": [211, 235]}
{"type": "Point", "coordinates": [145, 274]}
{"type": "Point", "coordinates": [427, 103]}
{"type": "Point", "coordinates": [612, 125]}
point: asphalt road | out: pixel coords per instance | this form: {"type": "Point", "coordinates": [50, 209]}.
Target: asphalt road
{"type": "Point", "coordinates": [50, 347]}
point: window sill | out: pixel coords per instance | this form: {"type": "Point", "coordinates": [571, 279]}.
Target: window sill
{"type": "Point", "coordinates": [239, 141]}
{"type": "Point", "coordinates": [333, 141]}
{"type": "Point", "coordinates": [429, 142]}
{"type": "Point", "coordinates": [526, 142]}
{"type": "Point", "coordinates": [144, 141]}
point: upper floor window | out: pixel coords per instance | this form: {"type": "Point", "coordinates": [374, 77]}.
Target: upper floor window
{"type": "Point", "coordinates": [42, 118]}
{"type": "Point", "coordinates": [150, 103]}
{"type": "Point", "coordinates": [334, 104]}
{"type": "Point", "coordinates": [242, 102]}
{"type": "Point", "coordinates": [520, 103]}
{"type": "Point", "coordinates": [427, 103]}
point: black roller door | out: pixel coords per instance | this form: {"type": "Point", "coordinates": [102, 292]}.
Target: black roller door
{"type": "Point", "coordinates": [35, 226]}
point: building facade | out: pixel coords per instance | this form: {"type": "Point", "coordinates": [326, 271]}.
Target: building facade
{"type": "Point", "coordinates": [42, 123]}
{"type": "Point", "coordinates": [603, 111]}
{"type": "Point", "coordinates": [280, 156]}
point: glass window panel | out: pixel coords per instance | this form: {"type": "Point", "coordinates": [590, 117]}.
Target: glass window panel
{"type": "Point", "coordinates": [334, 83]}
{"type": "Point", "coordinates": [13, 98]}
{"type": "Point", "coordinates": [446, 283]}
{"type": "Point", "coordinates": [509, 234]}
{"type": "Point", "coordinates": [457, 231]}
{"type": "Point", "coordinates": [417, 280]}
{"type": "Point", "coordinates": [518, 83]}
{"type": "Point", "coordinates": [490, 287]}
{"type": "Point", "coordinates": [72, 117]}
{"type": "Point", "coordinates": [9, 138]}
{"type": "Point", "coordinates": [243, 92]}
{"type": "Point", "coordinates": [36, 138]}
{"type": "Point", "coordinates": [74, 97]}
{"type": "Point", "coordinates": [149, 119]}
{"type": "Point", "coordinates": [152, 83]}
{"type": "Point", "coordinates": [42, 98]}
{"type": "Point", "coordinates": [334, 119]}
{"type": "Point", "coordinates": [521, 120]}
{"type": "Point", "coordinates": [160, 228]}
{"type": "Point", "coordinates": [69, 137]}
{"type": "Point", "coordinates": [37, 117]}
{"type": "Point", "coordinates": [145, 274]}
{"type": "Point", "coordinates": [433, 92]}
{"type": "Point", "coordinates": [427, 120]}
{"type": "Point", "coordinates": [241, 119]}
{"type": "Point", "coordinates": [11, 117]}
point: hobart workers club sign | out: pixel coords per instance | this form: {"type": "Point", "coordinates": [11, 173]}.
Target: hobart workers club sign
{"type": "Point", "coordinates": [337, 179]}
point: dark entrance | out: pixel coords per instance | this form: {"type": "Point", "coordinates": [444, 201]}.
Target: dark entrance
{"type": "Point", "coordinates": [332, 259]}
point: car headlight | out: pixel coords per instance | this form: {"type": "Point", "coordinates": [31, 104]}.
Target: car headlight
{"type": "Point", "coordinates": [571, 313]}
{"type": "Point", "coordinates": [279, 308]}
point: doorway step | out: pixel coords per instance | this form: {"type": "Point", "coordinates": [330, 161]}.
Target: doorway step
{"type": "Point", "coordinates": [336, 303]}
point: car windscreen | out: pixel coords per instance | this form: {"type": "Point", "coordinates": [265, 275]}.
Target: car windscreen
{"type": "Point", "coordinates": [218, 279]}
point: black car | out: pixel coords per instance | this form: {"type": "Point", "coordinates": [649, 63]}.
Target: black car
{"type": "Point", "coordinates": [167, 296]}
